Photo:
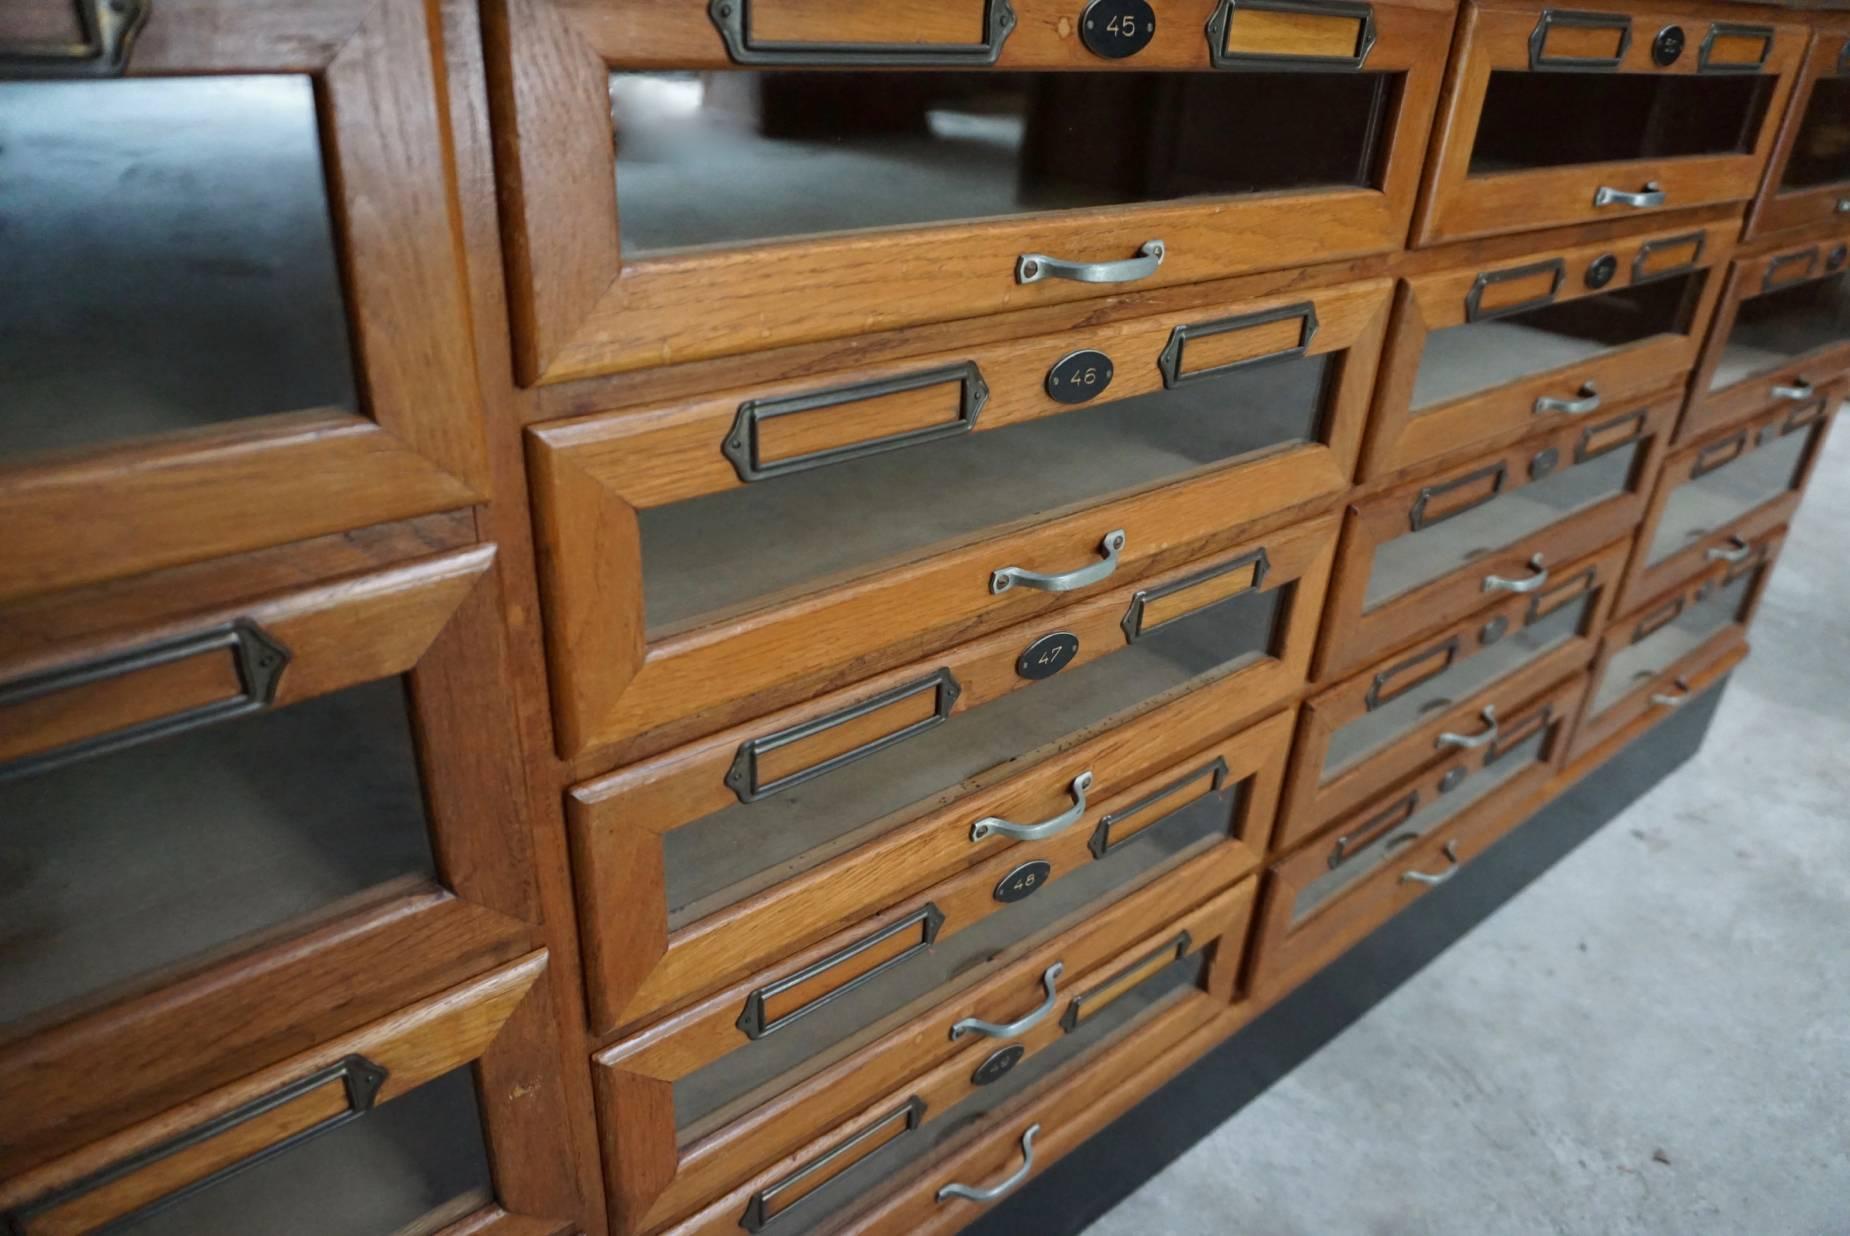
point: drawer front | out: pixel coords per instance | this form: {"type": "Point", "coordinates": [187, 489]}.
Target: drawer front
{"type": "Point", "coordinates": [1557, 116]}
{"type": "Point", "coordinates": [204, 322]}
{"type": "Point", "coordinates": [1650, 661]}
{"type": "Point", "coordinates": [1431, 552]}
{"type": "Point", "coordinates": [1809, 174]}
{"type": "Point", "coordinates": [712, 560]}
{"type": "Point", "coordinates": [928, 1054]}
{"type": "Point", "coordinates": [386, 1128]}
{"type": "Point", "coordinates": [1483, 355]}
{"type": "Point", "coordinates": [232, 804]}
{"type": "Point", "coordinates": [1373, 862]}
{"type": "Point", "coordinates": [1734, 484]}
{"type": "Point", "coordinates": [956, 181]}
{"type": "Point", "coordinates": [1781, 334]}
{"type": "Point", "coordinates": [1451, 692]}
{"type": "Point", "coordinates": [724, 856]}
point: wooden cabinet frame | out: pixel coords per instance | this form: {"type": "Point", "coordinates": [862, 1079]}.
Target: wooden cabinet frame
{"type": "Point", "coordinates": [501, 1023]}
{"type": "Point", "coordinates": [1400, 437]}
{"type": "Point", "coordinates": [1777, 210]}
{"type": "Point", "coordinates": [437, 620]}
{"type": "Point", "coordinates": [1284, 955]}
{"type": "Point", "coordinates": [1504, 36]}
{"type": "Point", "coordinates": [581, 308]}
{"type": "Point", "coordinates": [1690, 674]}
{"type": "Point", "coordinates": [77, 518]}
{"type": "Point", "coordinates": [1767, 270]}
{"type": "Point", "coordinates": [1313, 801]}
{"type": "Point", "coordinates": [1644, 579]}
{"type": "Point", "coordinates": [617, 695]}
{"type": "Point", "coordinates": [1354, 636]}
{"type": "Point", "coordinates": [652, 1182]}
{"type": "Point", "coordinates": [636, 967]}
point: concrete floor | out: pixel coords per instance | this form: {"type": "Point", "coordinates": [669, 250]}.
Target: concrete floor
{"type": "Point", "coordinates": [1654, 1037]}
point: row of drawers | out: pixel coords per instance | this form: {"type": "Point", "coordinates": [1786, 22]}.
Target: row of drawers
{"type": "Point", "coordinates": [1452, 740]}
{"type": "Point", "coordinates": [331, 386]}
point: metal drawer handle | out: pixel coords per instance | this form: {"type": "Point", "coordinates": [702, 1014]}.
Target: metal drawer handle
{"type": "Point", "coordinates": [1472, 743]}
{"type": "Point", "coordinates": [1739, 553]}
{"type": "Point", "coordinates": [1034, 267]}
{"type": "Point", "coordinates": [1588, 402]}
{"type": "Point", "coordinates": [1496, 583]}
{"type": "Point", "coordinates": [1113, 544]}
{"type": "Point", "coordinates": [1798, 392]}
{"type": "Point", "coordinates": [998, 1189]}
{"type": "Point", "coordinates": [1660, 700]}
{"type": "Point", "coordinates": [1650, 195]}
{"type": "Point", "coordinates": [1050, 978]}
{"type": "Point", "coordinates": [1843, 206]}
{"type": "Point", "coordinates": [1421, 877]}
{"type": "Point", "coordinates": [996, 826]}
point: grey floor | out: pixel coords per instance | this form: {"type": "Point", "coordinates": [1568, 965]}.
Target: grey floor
{"type": "Point", "coordinates": [1654, 1037]}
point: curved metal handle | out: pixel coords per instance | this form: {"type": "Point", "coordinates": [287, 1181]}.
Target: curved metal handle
{"type": "Point", "coordinates": [996, 826]}
{"type": "Point", "coordinates": [1843, 206]}
{"type": "Point", "coordinates": [1650, 195]}
{"type": "Point", "coordinates": [1588, 402]}
{"type": "Point", "coordinates": [1421, 877]}
{"type": "Point", "coordinates": [1050, 978]}
{"type": "Point", "coordinates": [1007, 577]}
{"type": "Point", "coordinates": [1496, 583]}
{"type": "Point", "coordinates": [1798, 392]}
{"type": "Point", "coordinates": [1739, 553]}
{"type": "Point", "coordinates": [1472, 742]}
{"type": "Point", "coordinates": [1034, 267]}
{"type": "Point", "coordinates": [1661, 700]}
{"type": "Point", "coordinates": [1002, 1186]}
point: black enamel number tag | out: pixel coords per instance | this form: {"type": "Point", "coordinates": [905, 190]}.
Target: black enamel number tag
{"type": "Point", "coordinates": [1048, 655]}
{"type": "Point", "coordinates": [1079, 377]}
{"type": "Point", "coordinates": [1115, 29]}
{"type": "Point", "coordinates": [1024, 881]}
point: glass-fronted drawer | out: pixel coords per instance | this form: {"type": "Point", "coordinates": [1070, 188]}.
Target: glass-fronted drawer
{"type": "Point", "coordinates": [1485, 354]}
{"type": "Point", "coordinates": [380, 1132]}
{"type": "Point", "coordinates": [200, 313]}
{"type": "Point", "coordinates": [1450, 692]}
{"type": "Point", "coordinates": [1428, 553]}
{"type": "Point", "coordinates": [1781, 334]}
{"type": "Point", "coordinates": [1808, 177]}
{"type": "Point", "coordinates": [1560, 116]}
{"type": "Point", "coordinates": [704, 180]}
{"type": "Point", "coordinates": [714, 559]}
{"type": "Point", "coordinates": [1372, 862]}
{"type": "Point", "coordinates": [1667, 650]}
{"type": "Point", "coordinates": [705, 865]}
{"type": "Point", "coordinates": [210, 812]}
{"type": "Point", "coordinates": [1736, 484]}
{"type": "Point", "coordinates": [736, 1123]}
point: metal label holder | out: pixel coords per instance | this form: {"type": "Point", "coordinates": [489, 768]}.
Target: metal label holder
{"type": "Point", "coordinates": [1222, 19]}
{"type": "Point", "coordinates": [733, 17]}
{"type": "Point", "coordinates": [109, 28]}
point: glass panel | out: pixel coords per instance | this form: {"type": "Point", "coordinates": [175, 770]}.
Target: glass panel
{"type": "Point", "coordinates": [1374, 730]}
{"type": "Point", "coordinates": [709, 555]}
{"type": "Point", "coordinates": [1639, 663]}
{"type": "Point", "coordinates": [1821, 152]}
{"type": "Point", "coordinates": [1524, 125]}
{"type": "Point", "coordinates": [1116, 1021]}
{"type": "Point", "coordinates": [168, 261]}
{"type": "Point", "coordinates": [737, 157]}
{"type": "Point", "coordinates": [957, 962]}
{"type": "Point", "coordinates": [405, 1168]}
{"type": "Point", "coordinates": [1477, 786]}
{"type": "Point", "coordinates": [744, 847]}
{"type": "Point", "coordinates": [1775, 328]}
{"type": "Point", "coordinates": [125, 864]}
{"type": "Point", "coordinates": [1416, 558]}
{"type": "Point", "coordinates": [1704, 506]}
{"type": "Point", "coordinates": [1478, 356]}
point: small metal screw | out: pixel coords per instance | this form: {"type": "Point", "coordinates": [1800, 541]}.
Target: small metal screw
{"type": "Point", "coordinates": [725, 10]}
